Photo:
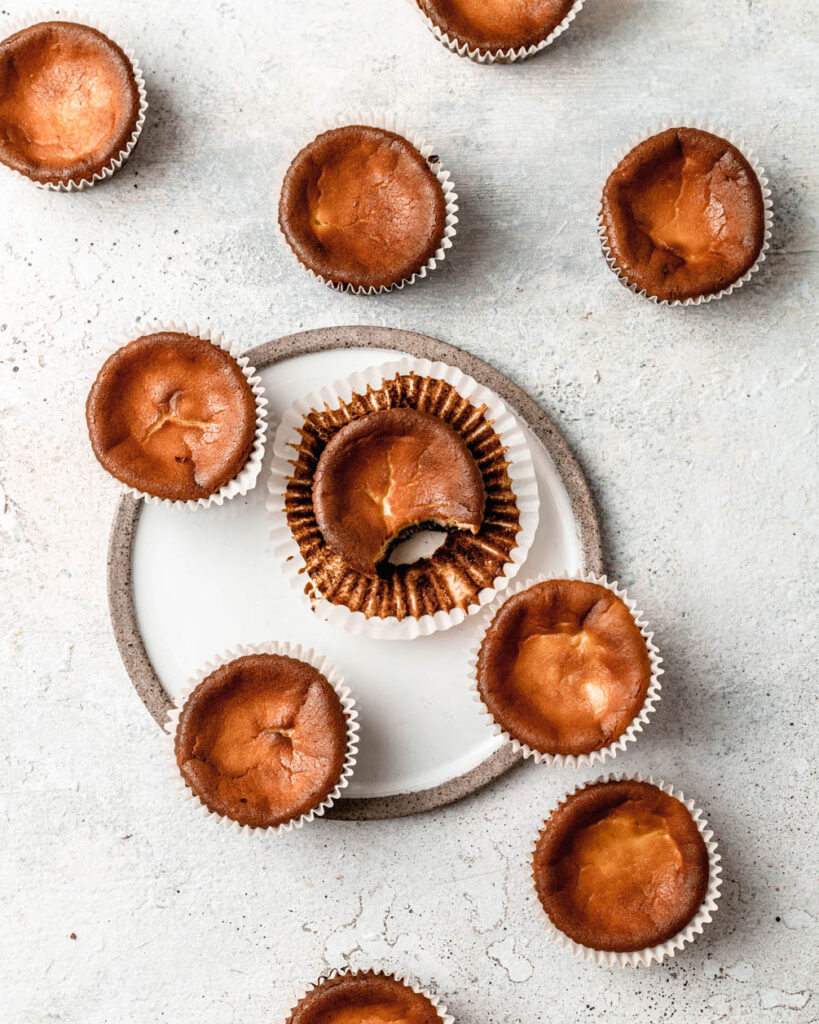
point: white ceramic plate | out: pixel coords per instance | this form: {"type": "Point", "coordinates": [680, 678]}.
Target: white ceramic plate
{"type": "Point", "coordinates": [419, 726]}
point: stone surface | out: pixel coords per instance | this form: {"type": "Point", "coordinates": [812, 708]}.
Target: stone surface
{"type": "Point", "coordinates": [697, 428]}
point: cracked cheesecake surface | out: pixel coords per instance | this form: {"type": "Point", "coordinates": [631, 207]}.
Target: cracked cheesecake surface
{"type": "Point", "coordinates": [172, 415]}
{"type": "Point", "coordinates": [388, 473]}
{"type": "Point", "coordinates": [262, 739]}
{"type": "Point", "coordinates": [563, 667]}
{"type": "Point", "coordinates": [360, 206]}
{"type": "Point", "coordinates": [69, 101]}
{"type": "Point", "coordinates": [621, 866]}
{"type": "Point", "coordinates": [683, 214]}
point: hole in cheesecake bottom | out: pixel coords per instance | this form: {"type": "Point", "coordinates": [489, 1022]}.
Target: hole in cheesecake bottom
{"type": "Point", "coordinates": [412, 545]}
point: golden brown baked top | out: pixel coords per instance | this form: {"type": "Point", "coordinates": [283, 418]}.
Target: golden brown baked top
{"type": "Point", "coordinates": [490, 25]}
{"type": "Point", "coordinates": [360, 206]}
{"type": "Point", "coordinates": [621, 866]}
{"type": "Point", "coordinates": [385, 474]}
{"type": "Point", "coordinates": [683, 214]}
{"type": "Point", "coordinates": [262, 740]}
{"type": "Point", "coordinates": [172, 415]}
{"type": "Point", "coordinates": [563, 667]}
{"type": "Point", "coordinates": [364, 998]}
{"type": "Point", "coordinates": [68, 101]}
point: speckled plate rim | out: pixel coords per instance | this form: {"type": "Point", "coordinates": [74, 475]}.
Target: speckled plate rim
{"type": "Point", "coordinates": [120, 594]}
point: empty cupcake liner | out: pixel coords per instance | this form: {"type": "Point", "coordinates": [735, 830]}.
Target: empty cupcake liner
{"type": "Point", "coordinates": [340, 972]}
{"type": "Point", "coordinates": [509, 56]}
{"type": "Point", "coordinates": [245, 479]}
{"type": "Point", "coordinates": [390, 123]}
{"type": "Point", "coordinates": [669, 948]}
{"type": "Point", "coordinates": [652, 697]}
{"type": "Point", "coordinates": [520, 470]}
{"type": "Point", "coordinates": [35, 18]}
{"type": "Point", "coordinates": [287, 650]}
{"type": "Point", "coordinates": [758, 170]}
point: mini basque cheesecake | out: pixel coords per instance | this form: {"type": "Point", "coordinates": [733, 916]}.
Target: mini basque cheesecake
{"type": "Point", "coordinates": [621, 866]}
{"type": "Point", "coordinates": [262, 740]}
{"type": "Point", "coordinates": [490, 26]}
{"type": "Point", "coordinates": [172, 415]}
{"type": "Point", "coordinates": [360, 206]}
{"type": "Point", "coordinates": [69, 102]}
{"type": "Point", "coordinates": [563, 667]}
{"type": "Point", "coordinates": [683, 215]}
{"type": "Point", "coordinates": [435, 488]}
{"type": "Point", "coordinates": [364, 998]}
{"type": "Point", "coordinates": [386, 475]}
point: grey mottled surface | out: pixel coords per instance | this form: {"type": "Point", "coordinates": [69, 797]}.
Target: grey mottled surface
{"type": "Point", "coordinates": [697, 429]}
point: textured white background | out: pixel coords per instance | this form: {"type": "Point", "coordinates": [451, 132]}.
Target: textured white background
{"type": "Point", "coordinates": [696, 427]}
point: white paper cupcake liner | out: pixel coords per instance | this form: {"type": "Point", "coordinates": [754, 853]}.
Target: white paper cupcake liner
{"type": "Point", "coordinates": [390, 123]}
{"type": "Point", "coordinates": [520, 469]}
{"type": "Point", "coordinates": [652, 697]}
{"type": "Point", "coordinates": [669, 948]}
{"type": "Point", "coordinates": [115, 163]}
{"type": "Point", "coordinates": [287, 650]}
{"type": "Point", "coordinates": [284, 1015]}
{"type": "Point", "coordinates": [498, 56]}
{"type": "Point", "coordinates": [758, 170]}
{"type": "Point", "coordinates": [245, 479]}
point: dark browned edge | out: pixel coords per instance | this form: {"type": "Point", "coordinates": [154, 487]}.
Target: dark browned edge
{"type": "Point", "coordinates": [120, 599]}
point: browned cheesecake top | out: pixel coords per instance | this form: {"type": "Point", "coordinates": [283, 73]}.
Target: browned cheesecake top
{"type": "Point", "coordinates": [172, 415]}
{"type": "Point", "coordinates": [364, 998]}
{"type": "Point", "coordinates": [360, 206]}
{"type": "Point", "coordinates": [683, 214]}
{"type": "Point", "coordinates": [563, 667]}
{"type": "Point", "coordinates": [387, 473]}
{"type": "Point", "coordinates": [262, 739]}
{"type": "Point", "coordinates": [621, 866]}
{"type": "Point", "coordinates": [69, 101]}
{"type": "Point", "coordinates": [490, 25]}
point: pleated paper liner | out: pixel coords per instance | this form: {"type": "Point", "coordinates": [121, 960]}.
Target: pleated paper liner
{"type": "Point", "coordinates": [508, 56]}
{"type": "Point", "coordinates": [758, 170]}
{"type": "Point", "coordinates": [38, 16]}
{"type": "Point", "coordinates": [669, 948]}
{"type": "Point", "coordinates": [390, 123]}
{"type": "Point", "coordinates": [287, 650]}
{"type": "Point", "coordinates": [285, 1015]}
{"type": "Point", "coordinates": [245, 480]}
{"type": "Point", "coordinates": [461, 576]}
{"type": "Point", "coordinates": [630, 734]}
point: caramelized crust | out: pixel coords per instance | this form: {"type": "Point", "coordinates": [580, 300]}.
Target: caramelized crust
{"type": "Point", "coordinates": [563, 667]}
{"type": "Point", "coordinates": [621, 866]}
{"type": "Point", "coordinates": [172, 415]}
{"type": "Point", "coordinates": [387, 473]}
{"type": "Point", "coordinates": [683, 214]}
{"type": "Point", "coordinates": [262, 740]}
{"type": "Point", "coordinates": [69, 101]}
{"type": "Point", "coordinates": [360, 206]}
{"type": "Point", "coordinates": [364, 998]}
{"type": "Point", "coordinates": [452, 576]}
{"type": "Point", "coordinates": [491, 25]}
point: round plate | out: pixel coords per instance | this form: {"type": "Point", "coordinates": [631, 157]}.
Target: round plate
{"type": "Point", "coordinates": [184, 585]}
